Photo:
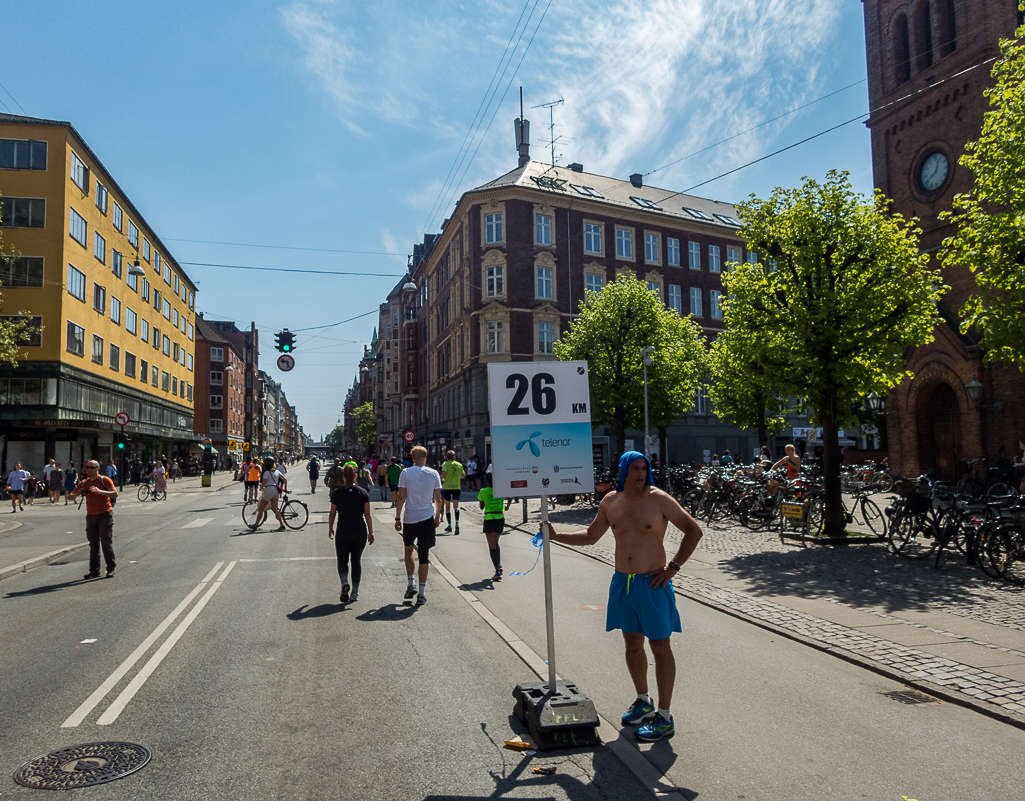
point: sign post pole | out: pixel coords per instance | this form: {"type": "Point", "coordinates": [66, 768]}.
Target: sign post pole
{"type": "Point", "coordinates": [549, 613]}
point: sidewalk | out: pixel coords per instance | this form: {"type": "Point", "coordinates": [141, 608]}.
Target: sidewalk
{"type": "Point", "coordinates": [951, 632]}
{"type": "Point", "coordinates": [46, 532]}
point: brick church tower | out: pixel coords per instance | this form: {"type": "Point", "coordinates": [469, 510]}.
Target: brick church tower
{"type": "Point", "coordinates": [928, 64]}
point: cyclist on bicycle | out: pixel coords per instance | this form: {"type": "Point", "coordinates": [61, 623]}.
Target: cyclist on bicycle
{"type": "Point", "coordinates": [273, 483]}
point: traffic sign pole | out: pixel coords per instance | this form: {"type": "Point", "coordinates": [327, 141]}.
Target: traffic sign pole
{"type": "Point", "coordinates": [549, 604]}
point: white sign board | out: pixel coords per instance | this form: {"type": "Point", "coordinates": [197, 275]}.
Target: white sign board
{"type": "Point", "coordinates": [540, 428]}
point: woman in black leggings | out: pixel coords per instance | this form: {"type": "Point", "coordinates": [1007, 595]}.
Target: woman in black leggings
{"type": "Point", "coordinates": [355, 529]}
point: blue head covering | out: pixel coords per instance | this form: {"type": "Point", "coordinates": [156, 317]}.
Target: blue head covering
{"type": "Point", "coordinates": [625, 461]}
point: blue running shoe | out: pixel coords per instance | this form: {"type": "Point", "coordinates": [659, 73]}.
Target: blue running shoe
{"type": "Point", "coordinates": [638, 713]}
{"type": "Point", "coordinates": [656, 729]}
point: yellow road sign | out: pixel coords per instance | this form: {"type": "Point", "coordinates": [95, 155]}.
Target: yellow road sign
{"type": "Point", "coordinates": [245, 446]}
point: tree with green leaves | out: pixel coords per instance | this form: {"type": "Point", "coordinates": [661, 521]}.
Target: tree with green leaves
{"type": "Point", "coordinates": [989, 239]}
{"type": "Point", "coordinates": [366, 424]}
{"type": "Point", "coordinates": [13, 330]}
{"type": "Point", "coordinates": [614, 324]}
{"type": "Point", "coordinates": [840, 295]}
{"type": "Point", "coordinates": [335, 440]}
{"type": "Point", "coordinates": [742, 393]}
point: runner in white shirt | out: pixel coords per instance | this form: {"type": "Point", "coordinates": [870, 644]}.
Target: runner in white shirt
{"type": "Point", "coordinates": [420, 496]}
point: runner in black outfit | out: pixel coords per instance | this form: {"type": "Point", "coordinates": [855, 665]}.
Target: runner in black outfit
{"type": "Point", "coordinates": [355, 530]}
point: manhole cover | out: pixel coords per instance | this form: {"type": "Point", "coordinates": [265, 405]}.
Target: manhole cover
{"type": "Point", "coordinates": [82, 766]}
{"type": "Point", "coordinates": [910, 697]}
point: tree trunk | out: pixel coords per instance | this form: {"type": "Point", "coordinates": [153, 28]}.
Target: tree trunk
{"type": "Point", "coordinates": [620, 444]}
{"type": "Point", "coordinates": [835, 516]}
{"type": "Point", "coordinates": [763, 433]}
{"type": "Point", "coordinates": [663, 446]}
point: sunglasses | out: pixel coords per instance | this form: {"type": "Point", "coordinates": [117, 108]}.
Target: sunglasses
{"type": "Point", "coordinates": [91, 467]}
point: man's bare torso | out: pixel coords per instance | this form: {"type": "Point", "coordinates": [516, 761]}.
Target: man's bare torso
{"type": "Point", "coordinates": [639, 526]}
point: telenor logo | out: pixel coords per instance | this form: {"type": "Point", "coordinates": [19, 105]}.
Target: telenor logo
{"type": "Point", "coordinates": [529, 441]}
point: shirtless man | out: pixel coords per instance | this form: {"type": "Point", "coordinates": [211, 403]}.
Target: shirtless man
{"type": "Point", "coordinates": [641, 598]}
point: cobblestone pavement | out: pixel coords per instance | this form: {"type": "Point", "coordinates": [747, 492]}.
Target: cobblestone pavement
{"type": "Point", "coordinates": [864, 577]}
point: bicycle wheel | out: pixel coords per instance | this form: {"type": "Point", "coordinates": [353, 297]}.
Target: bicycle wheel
{"type": "Point", "coordinates": [986, 535]}
{"type": "Point", "coordinates": [691, 501]}
{"type": "Point", "coordinates": [883, 482]}
{"type": "Point", "coordinates": [912, 537]}
{"type": "Point", "coordinates": [1004, 494]}
{"type": "Point", "coordinates": [143, 492]}
{"type": "Point", "coordinates": [968, 486]}
{"type": "Point", "coordinates": [816, 515]}
{"type": "Point", "coordinates": [873, 517]}
{"type": "Point", "coordinates": [295, 514]}
{"type": "Point", "coordinates": [1005, 551]}
{"type": "Point", "coordinates": [249, 512]}
{"type": "Point", "coordinates": [159, 495]}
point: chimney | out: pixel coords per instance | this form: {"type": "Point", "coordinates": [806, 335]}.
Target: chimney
{"type": "Point", "coordinates": [522, 127]}
{"type": "Point", "coordinates": [576, 166]}
{"type": "Point", "coordinates": [637, 180]}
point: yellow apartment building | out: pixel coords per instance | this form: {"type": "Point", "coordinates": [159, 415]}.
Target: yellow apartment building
{"type": "Point", "coordinates": [117, 312]}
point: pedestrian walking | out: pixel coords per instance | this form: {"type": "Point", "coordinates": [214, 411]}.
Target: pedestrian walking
{"type": "Point", "coordinates": [176, 471]}
{"type": "Point", "coordinates": [333, 478]}
{"type": "Point", "coordinates": [451, 484]}
{"type": "Point", "coordinates": [313, 468]}
{"type": "Point", "coordinates": [271, 481]}
{"type": "Point", "coordinates": [99, 493]}
{"type": "Point", "coordinates": [30, 489]}
{"type": "Point", "coordinates": [70, 480]}
{"type": "Point", "coordinates": [16, 487]}
{"type": "Point", "coordinates": [252, 479]}
{"type": "Point", "coordinates": [110, 471]}
{"type": "Point", "coordinates": [641, 599]}
{"type": "Point", "coordinates": [47, 470]}
{"type": "Point", "coordinates": [137, 470]}
{"type": "Point", "coordinates": [494, 523]}
{"type": "Point", "coordinates": [55, 483]}
{"type": "Point", "coordinates": [382, 479]}
{"type": "Point", "coordinates": [364, 478]}
{"type": "Point", "coordinates": [419, 496]}
{"type": "Point", "coordinates": [350, 504]}
{"type": "Point", "coordinates": [160, 479]}
{"type": "Point", "coordinates": [394, 471]}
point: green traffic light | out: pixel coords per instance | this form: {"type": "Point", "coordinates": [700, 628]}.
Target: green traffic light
{"type": "Point", "coordinates": [121, 446]}
{"type": "Point", "coordinates": [286, 348]}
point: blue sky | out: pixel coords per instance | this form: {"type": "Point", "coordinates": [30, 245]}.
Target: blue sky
{"type": "Point", "coordinates": [333, 126]}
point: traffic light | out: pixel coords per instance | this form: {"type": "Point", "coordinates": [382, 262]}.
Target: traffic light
{"type": "Point", "coordinates": [120, 446]}
{"type": "Point", "coordinates": [285, 340]}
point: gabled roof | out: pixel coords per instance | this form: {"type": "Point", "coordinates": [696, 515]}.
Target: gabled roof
{"type": "Point", "coordinates": [206, 331]}
{"type": "Point", "coordinates": [595, 188]}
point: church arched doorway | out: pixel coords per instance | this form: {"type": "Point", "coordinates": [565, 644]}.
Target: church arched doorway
{"type": "Point", "coordinates": [939, 434]}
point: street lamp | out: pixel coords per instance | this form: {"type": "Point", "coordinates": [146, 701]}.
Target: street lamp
{"type": "Point", "coordinates": [646, 352]}
{"type": "Point", "coordinates": [136, 269]}
{"type": "Point", "coordinates": [876, 403]}
{"type": "Point", "coordinates": [974, 390]}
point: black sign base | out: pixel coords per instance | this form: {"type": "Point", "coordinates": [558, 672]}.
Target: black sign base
{"type": "Point", "coordinates": [563, 719]}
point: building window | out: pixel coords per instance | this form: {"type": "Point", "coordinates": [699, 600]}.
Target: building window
{"type": "Point", "coordinates": [99, 247]}
{"type": "Point", "coordinates": [22, 154]}
{"type": "Point", "coordinates": [176, 318]}
{"type": "Point", "coordinates": [174, 385]}
{"type": "Point", "coordinates": [216, 401]}
{"type": "Point", "coordinates": [156, 338]}
{"type": "Point", "coordinates": [542, 229]}
{"type": "Point", "coordinates": [188, 363]}
{"type": "Point", "coordinates": [133, 282]}
{"type": "Point", "coordinates": [133, 235]}
{"type": "Point", "coordinates": [167, 310]}
{"type": "Point", "coordinates": [176, 352]}
{"type": "Point", "coordinates": [130, 365]}
{"type": "Point", "coordinates": [99, 299]}
{"type": "Point", "coordinates": [592, 238]}
{"type": "Point", "coordinates": [545, 338]}
{"type": "Point", "coordinates": [192, 300]}
{"type": "Point", "coordinates": [79, 172]}
{"type": "Point", "coordinates": [21, 271]}
{"type": "Point", "coordinates": [651, 254]}
{"type": "Point", "coordinates": [675, 299]}
{"type": "Point", "coordinates": [166, 345]}
{"type": "Point", "coordinates": [144, 331]}
{"type": "Point", "coordinates": [97, 349]}
{"type": "Point", "coordinates": [116, 263]}
{"type": "Point", "coordinates": [713, 259]}
{"type": "Point", "coordinates": [694, 255]}
{"type": "Point", "coordinates": [115, 357]}
{"type": "Point", "coordinates": [131, 320]}
{"type": "Point", "coordinates": [145, 249]}
{"type": "Point", "coordinates": [77, 228]}
{"type": "Point", "coordinates": [188, 394]}
{"type": "Point", "coordinates": [656, 287]}
{"type": "Point", "coordinates": [714, 302]}
{"type": "Point", "coordinates": [24, 212]}
{"type": "Point", "coordinates": [493, 228]}
{"type": "Point", "coordinates": [156, 300]}
{"type": "Point", "coordinates": [192, 332]}
{"type": "Point", "coordinates": [101, 198]}
{"type": "Point", "coordinates": [165, 381]}
{"type": "Point", "coordinates": [216, 377]}
{"type": "Point", "coordinates": [495, 281]}
{"type": "Point", "coordinates": [144, 370]}
{"type": "Point", "coordinates": [32, 340]}
{"type": "Point", "coordinates": [76, 339]}
{"type": "Point", "coordinates": [118, 217]}
{"type": "Point", "coordinates": [167, 272]}
{"type": "Point", "coordinates": [145, 289]}
{"type": "Point", "coordinates": [695, 301]}
{"type": "Point", "coordinates": [154, 375]}
{"type": "Point", "coordinates": [496, 336]}
{"type": "Point", "coordinates": [115, 310]}
{"type": "Point", "coordinates": [752, 257]}
{"type": "Point", "coordinates": [544, 282]}
{"type": "Point", "coordinates": [624, 243]}
{"type": "Point", "coordinates": [177, 285]}
{"type": "Point", "coordinates": [732, 256]}
{"type": "Point", "coordinates": [216, 425]}
{"type": "Point", "coordinates": [673, 251]}
{"type": "Point", "coordinates": [592, 282]}
{"type": "Point", "coordinates": [217, 354]}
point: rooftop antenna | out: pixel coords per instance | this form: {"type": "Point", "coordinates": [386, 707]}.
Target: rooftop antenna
{"type": "Point", "coordinates": [551, 126]}
{"type": "Point", "coordinates": [522, 127]}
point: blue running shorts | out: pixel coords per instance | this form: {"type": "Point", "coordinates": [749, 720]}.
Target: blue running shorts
{"type": "Point", "coordinates": [636, 607]}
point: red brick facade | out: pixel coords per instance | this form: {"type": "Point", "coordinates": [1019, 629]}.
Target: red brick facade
{"type": "Point", "coordinates": [928, 63]}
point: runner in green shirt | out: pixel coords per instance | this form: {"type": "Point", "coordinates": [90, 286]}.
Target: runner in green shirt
{"type": "Point", "coordinates": [494, 523]}
{"type": "Point", "coordinates": [452, 473]}
{"type": "Point", "coordinates": [393, 477]}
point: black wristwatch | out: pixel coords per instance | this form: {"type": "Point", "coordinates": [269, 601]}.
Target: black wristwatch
{"type": "Point", "coordinates": [674, 566]}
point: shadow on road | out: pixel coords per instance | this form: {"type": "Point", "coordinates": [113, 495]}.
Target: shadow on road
{"type": "Point", "coordinates": [323, 610]}
{"type": "Point", "coordinates": [45, 588]}
{"type": "Point", "coordinates": [483, 584]}
{"type": "Point", "coordinates": [389, 613]}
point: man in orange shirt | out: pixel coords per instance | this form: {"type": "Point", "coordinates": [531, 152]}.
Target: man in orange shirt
{"type": "Point", "coordinates": [99, 518]}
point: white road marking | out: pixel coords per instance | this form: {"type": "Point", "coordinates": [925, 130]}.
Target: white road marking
{"type": "Point", "coordinates": [83, 642]}
{"type": "Point", "coordinates": [292, 559]}
{"type": "Point", "coordinates": [202, 521]}
{"type": "Point", "coordinates": [135, 685]}
{"type": "Point", "coordinates": [90, 703]}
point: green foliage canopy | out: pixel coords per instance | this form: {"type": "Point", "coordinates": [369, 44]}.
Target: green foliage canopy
{"type": "Point", "coordinates": [13, 330]}
{"type": "Point", "coordinates": [366, 424]}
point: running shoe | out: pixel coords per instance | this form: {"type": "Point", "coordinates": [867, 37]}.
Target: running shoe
{"type": "Point", "coordinates": [457, 531]}
{"type": "Point", "coordinates": [91, 575]}
{"type": "Point", "coordinates": [110, 573]}
{"type": "Point", "coordinates": [344, 596]}
{"type": "Point", "coordinates": [448, 528]}
{"type": "Point", "coordinates": [410, 593]}
{"type": "Point", "coordinates": [657, 728]}
{"type": "Point", "coordinates": [354, 596]}
{"type": "Point", "coordinates": [421, 600]}
{"type": "Point", "coordinates": [639, 712]}
{"type": "Point", "coordinates": [498, 575]}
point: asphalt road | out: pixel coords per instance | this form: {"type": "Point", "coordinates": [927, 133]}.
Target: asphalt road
{"type": "Point", "coordinates": [227, 654]}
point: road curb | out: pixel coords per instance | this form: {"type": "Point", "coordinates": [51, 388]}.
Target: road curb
{"type": "Point", "coordinates": [943, 693]}
{"type": "Point", "coordinates": [39, 561]}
